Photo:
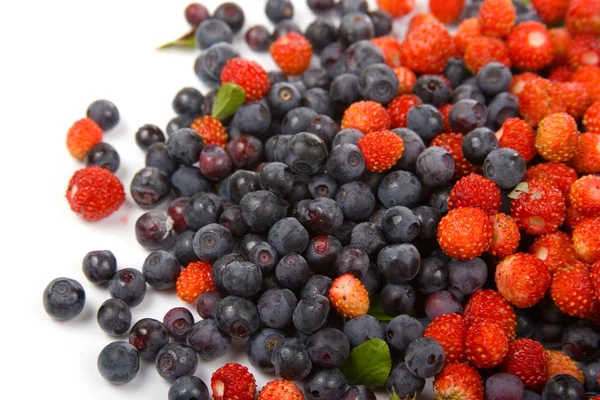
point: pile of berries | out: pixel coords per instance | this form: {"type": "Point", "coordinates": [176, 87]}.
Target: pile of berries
{"type": "Point", "coordinates": [439, 194]}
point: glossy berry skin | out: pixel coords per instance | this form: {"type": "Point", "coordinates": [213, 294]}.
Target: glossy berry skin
{"type": "Point", "coordinates": [425, 120]}
{"type": "Point", "coordinates": [260, 210]}
{"type": "Point", "coordinates": [148, 336]}
{"type": "Point", "coordinates": [502, 107]}
{"type": "Point", "coordinates": [183, 248]}
{"type": "Point", "coordinates": [188, 102]}
{"type": "Point", "coordinates": [276, 308]}
{"type": "Point", "coordinates": [259, 348]}
{"type": "Point", "coordinates": [400, 224]}
{"type": "Point", "coordinates": [104, 113]}
{"type": "Point", "coordinates": [397, 299]}
{"type": "Point", "coordinates": [118, 362]}
{"type": "Point", "coordinates": [258, 38]}
{"type": "Point", "coordinates": [210, 65]}
{"type": "Point", "coordinates": [128, 285]}
{"type": "Point", "coordinates": [292, 271]}
{"type": "Point", "coordinates": [305, 153]}
{"type": "Point", "coordinates": [563, 386]}
{"type": "Point", "coordinates": [178, 322]}
{"type": "Point", "coordinates": [291, 360]}
{"type": "Point", "coordinates": [424, 357]}
{"type": "Point", "coordinates": [150, 187]}
{"type": "Point", "coordinates": [379, 83]}
{"type": "Point", "coordinates": [435, 166]}
{"type": "Point", "coordinates": [580, 341]}
{"type": "Point", "coordinates": [104, 156]}
{"type": "Point", "coordinates": [404, 382]}
{"type": "Point", "coordinates": [325, 384]}
{"type": "Point", "coordinates": [147, 135]}
{"type": "Point", "coordinates": [264, 256]}
{"type": "Point", "coordinates": [184, 146]}
{"type": "Point", "coordinates": [288, 236]}
{"type": "Point", "coordinates": [94, 193]}
{"type": "Point", "coordinates": [328, 348]}
{"type": "Point", "coordinates": [311, 314]}
{"type": "Point", "coordinates": [478, 143]}
{"type": "Point", "coordinates": [187, 181]}
{"type": "Point", "coordinates": [432, 89]}
{"type": "Point", "coordinates": [157, 156]}
{"type": "Point", "coordinates": [317, 284]}
{"type": "Point", "coordinates": [232, 14]}
{"type": "Point", "coordinates": [206, 339]}
{"type": "Point", "coordinates": [504, 167]}
{"type": "Point", "coordinates": [356, 200]}
{"type": "Point", "coordinates": [362, 329]}
{"type": "Point", "coordinates": [202, 209]}
{"type": "Point", "coordinates": [64, 299]}
{"type": "Point", "coordinates": [153, 231]}
{"type": "Point", "coordinates": [188, 388]}
{"type": "Point", "coordinates": [502, 385]}
{"type": "Point", "coordinates": [114, 317]}
{"type": "Point", "coordinates": [208, 303]}
{"type": "Point", "coordinates": [323, 216]}
{"type": "Point", "coordinates": [467, 276]}
{"type": "Point", "coordinates": [432, 276]}
{"type": "Point", "coordinates": [242, 278]}
{"type": "Point", "coordinates": [99, 266]}
{"type": "Point", "coordinates": [345, 163]}
{"type": "Point", "coordinates": [401, 331]}
{"type": "Point", "coordinates": [212, 241]}
{"type": "Point", "coordinates": [355, 26]}
{"type": "Point", "coordinates": [175, 212]}
{"type": "Point", "coordinates": [467, 115]}
{"type": "Point", "coordinates": [213, 31]}
{"type": "Point", "coordinates": [176, 360]}
{"type": "Point", "coordinates": [322, 185]}
{"type": "Point", "coordinates": [237, 317]}
{"type": "Point", "coordinates": [161, 270]}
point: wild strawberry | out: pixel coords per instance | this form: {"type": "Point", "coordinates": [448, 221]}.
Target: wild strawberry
{"type": "Point", "coordinates": [497, 17]}
{"type": "Point", "coordinates": [591, 117]}
{"type": "Point", "coordinates": [583, 16]}
{"type": "Point", "coordinates": [590, 77]}
{"type": "Point", "coordinates": [489, 305]}
{"type": "Point", "coordinates": [562, 73]}
{"type": "Point", "coordinates": [420, 19]}
{"type": "Point", "coordinates": [555, 250]}
{"type": "Point", "coordinates": [349, 297]}
{"type": "Point", "coordinates": [558, 362]}
{"type": "Point", "coordinates": [366, 116]}
{"type": "Point", "coordinates": [233, 381]}
{"type": "Point", "coordinates": [426, 49]}
{"type": "Point", "coordinates": [561, 41]}
{"type": "Point", "coordinates": [95, 193]}
{"type": "Point", "coordinates": [483, 50]}
{"type": "Point", "coordinates": [464, 233]}
{"type": "Point", "coordinates": [572, 218]}
{"type": "Point", "coordinates": [526, 359]}
{"type": "Point", "coordinates": [538, 207]}
{"type": "Point", "coordinates": [585, 195]}
{"type": "Point", "coordinates": [82, 136]}
{"type": "Point", "coordinates": [396, 8]}
{"type": "Point", "coordinates": [458, 381]}
{"type": "Point", "coordinates": [406, 80]}
{"type": "Point", "coordinates": [556, 138]}
{"type": "Point", "coordinates": [558, 174]}
{"type": "Point", "coordinates": [390, 48]}
{"type": "Point", "coordinates": [529, 46]}
{"type": "Point", "coordinates": [538, 99]}
{"type": "Point", "coordinates": [450, 331]}
{"type": "Point", "coordinates": [486, 344]}
{"type": "Point", "coordinates": [520, 80]}
{"type": "Point", "coordinates": [292, 53]}
{"type": "Point", "coordinates": [381, 150]}
{"type": "Point", "coordinates": [573, 292]}
{"type": "Point", "coordinates": [452, 142]}
{"type": "Point", "coordinates": [194, 280]}
{"type": "Point", "coordinates": [584, 51]}
{"type": "Point", "coordinates": [551, 11]}
{"type": "Point", "coordinates": [587, 158]}
{"type": "Point", "coordinates": [445, 111]}
{"type": "Point", "coordinates": [446, 10]}
{"type": "Point", "coordinates": [211, 130]}
{"type": "Point", "coordinates": [505, 235]}
{"type": "Point", "coordinates": [595, 275]}
{"type": "Point", "coordinates": [522, 279]}
{"type": "Point", "coordinates": [518, 135]}
{"type": "Point", "coordinates": [280, 390]}
{"type": "Point", "coordinates": [475, 191]}
{"type": "Point", "coordinates": [575, 98]}
{"type": "Point", "coordinates": [467, 30]}
{"type": "Point", "coordinates": [398, 109]}
{"type": "Point", "coordinates": [249, 75]}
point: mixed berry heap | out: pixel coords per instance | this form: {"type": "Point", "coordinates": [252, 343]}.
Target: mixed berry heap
{"type": "Point", "coordinates": [375, 213]}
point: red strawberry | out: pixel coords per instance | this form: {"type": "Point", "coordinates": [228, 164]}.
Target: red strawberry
{"type": "Point", "coordinates": [233, 381]}
{"type": "Point", "coordinates": [595, 275]}
{"type": "Point", "coordinates": [420, 19]}
{"type": "Point", "coordinates": [584, 51]}
{"type": "Point", "coordinates": [558, 174]}
{"type": "Point", "coordinates": [194, 280]}
{"type": "Point", "coordinates": [280, 390]}
{"type": "Point", "coordinates": [211, 130]}
{"type": "Point", "coordinates": [467, 30]}
{"type": "Point", "coordinates": [497, 17]}
{"type": "Point", "coordinates": [590, 77]}
{"type": "Point", "coordinates": [486, 344]}
{"type": "Point", "coordinates": [445, 111]}
{"type": "Point", "coordinates": [522, 279]}
{"type": "Point", "coordinates": [591, 118]}
{"type": "Point", "coordinates": [426, 49]}
{"type": "Point", "coordinates": [583, 16]}
{"type": "Point", "coordinates": [538, 99]}
{"type": "Point", "coordinates": [396, 8]}
{"type": "Point", "coordinates": [349, 297]}
{"type": "Point", "coordinates": [398, 109]}
{"type": "Point", "coordinates": [95, 193]}
{"type": "Point", "coordinates": [575, 98]}
{"type": "Point", "coordinates": [505, 235]}
{"type": "Point", "coordinates": [551, 11]}
{"type": "Point", "coordinates": [520, 80]}
{"type": "Point", "coordinates": [561, 73]}
{"type": "Point", "coordinates": [573, 292]}
{"type": "Point", "coordinates": [82, 136]}
{"type": "Point", "coordinates": [475, 191]}
{"type": "Point", "coordinates": [526, 358]}
{"type": "Point", "coordinates": [449, 330]}
{"type": "Point", "coordinates": [390, 48]}
{"type": "Point", "coordinates": [538, 207]}
{"type": "Point", "coordinates": [458, 381]}
{"type": "Point", "coordinates": [529, 46]}
{"type": "Point", "coordinates": [452, 143]}
{"type": "Point", "coordinates": [406, 80]}
{"type": "Point", "coordinates": [366, 116]}
{"type": "Point", "coordinates": [572, 218]}
{"type": "Point", "coordinates": [446, 11]}
{"type": "Point", "coordinates": [489, 305]}
{"type": "Point", "coordinates": [587, 158]}
{"type": "Point", "coordinates": [292, 53]}
{"type": "Point", "coordinates": [585, 195]}
{"type": "Point", "coordinates": [558, 362]}
{"type": "Point", "coordinates": [381, 150]}
{"type": "Point", "coordinates": [483, 50]}
{"type": "Point", "coordinates": [464, 233]}
{"type": "Point", "coordinates": [586, 240]}
{"type": "Point", "coordinates": [561, 41]}
{"type": "Point", "coordinates": [556, 138]}
{"type": "Point", "coordinates": [518, 135]}
{"type": "Point", "coordinates": [555, 250]}
{"type": "Point", "coordinates": [249, 75]}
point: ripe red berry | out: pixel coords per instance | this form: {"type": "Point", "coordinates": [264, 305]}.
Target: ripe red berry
{"type": "Point", "coordinates": [572, 218]}
{"type": "Point", "coordinates": [406, 80]}
{"type": "Point", "coordinates": [280, 390]}
{"type": "Point", "coordinates": [211, 130]}
{"type": "Point", "coordinates": [390, 48]}
{"type": "Point", "coordinates": [538, 99]}
{"type": "Point", "coordinates": [349, 296]}
{"type": "Point", "coordinates": [522, 279]}
{"type": "Point", "coordinates": [562, 73]}
{"type": "Point", "coordinates": [465, 233]}
{"type": "Point", "coordinates": [586, 240]}
{"type": "Point", "coordinates": [551, 11]}
{"type": "Point", "coordinates": [233, 381]}
{"type": "Point", "coordinates": [583, 16]}
{"type": "Point", "coordinates": [292, 53]}
{"type": "Point", "coordinates": [476, 191]}
{"type": "Point", "coordinates": [497, 17]}
{"type": "Point", "coordinates": [585, 195]}
{"type": "Point", "coordinates": [95, 193]}
{"type": "Point", "coordinates": [450, 331]}
{"type": "Point", "coordinates": [396, 8]}
{"type": "Point", "coordinates": [560, 175]}
{"type": "Point", "coordinates": [555, 250]}
{"type": "Point", "coordinates": [483, 50]}
{"type": "Point", "coordinates": [489, 305]}
{"type": "Point", "coordinates": [194, 280]}
{"type": "Point", "coordinates": [595, 275]}
{"type": "Point", "coordinates": [458, 381]}
{"type": "Point", "coordinates": [590, 77]}
{"type": "Point", "coordinates": [398, 109]}
{"type": "Point", "coordinates": [587, 158]}
{"type": "Point", "coordinates": [452, 143]}
{"type": "Point", "coordinates": [249, 75]}
{"type": "Point", "coordinates": [526, 359]}
{"type": "Point", "coordinates": [505, 235]}
{"type": "Point", "coordinates": [446, 11]}
{"type": "Point", "coordinates": [556, 138]}
{"type": "Point", "coordinates": [486, 344]}
{"type": "Point", "coordinates": [381, 150]}
{"type": "Point", "coordinates": [467, 30]}
{"type": "Point", "coordinates": [591, 118]}
{"type": "Point", "coordinates": [584, 51]}
{"type": "Point", "coordinates": [538, 207]}
{"type": "Point", "coordinates": [518, 135]}
{"type": "Point", "coordinates": [366, 116]}
{"type": "Point", "coordinates": [520, 80]}
{"type": "Point", "coordinates": [420, 19]}
{"type": "Point", "coordinates": [561, 41]}
{"type": "Point", "coordinates": [426, 49]}
{"type": "Point", "coordinates": [573, 292]}
{"type": "Point", "coordinates": [445, 111]}
{"type": "Point", "coordinates": [575, 98]}
{"type": "Point", "coordinates": [529, 46]}
{"type": "Point", "coordinates": [558, 362]}
{"type": "Point", "coordinates": [82, 136]}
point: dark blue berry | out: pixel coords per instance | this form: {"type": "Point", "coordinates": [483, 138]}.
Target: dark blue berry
{"type": "Point", "coordinates": [320, 33]}
{"type": "Point", "coordinates": [331, 55]}
{"type": "Point", "coordinates": [188, 388]}
{"type": "Point", "coordinates": [183, 248]}
{"type": "Point", "coordinates": [278, 10]}
{"type": "Point", "coordinates": [362, 54]}
{"type": "Point", "coordinates": [178, 322]}
{"type": "Point", "coordinates": [175, 212]}
{"type": "Point", "coordinates": [321, 253]}
{"type": "Point", "coordinates": [525, 324]}
{"type": "Point", "coordinates": [325, 384]}
{"type": "Point", "coordinates": [429, 219]}
{"type": "Point", "coordinates": [401, 331]}
{"type": "Point", "coordinates": [505, 167]}
{"type": "Point", "coordinates": [425, 120]}
{"type": "Point", "coordinates": [413, 147]}
{"type": "Point", "coordinates": [347, 6]}
{"type": "Point", "coordinates": [148, 336]}
{"type": "Point", "coordinates": [276, 307]}
{"type": "Point", "coordinates": [590, 372]}
{"type": "Point", "coordinates": [435, 166]}
{"type": "Point", "coordinates": [237, 317]}
{"type": "Point", "coordinates": [368, 237]}
{"type": "Point", "coordinates": [147, 135]}
{"type": "Point", "coordinates": [323, 216]}
{"type": "Point", "coordinates": [284, 27]}
{"type": "Point", "coordinates": [150, 186]}
{"type": "Point", "coordinates": [322, 185]}
{"type": "Point", "coordinates": [319, 100]}
{"type": "Point", "coordinates": [345, 163]}
{"type": "Point", "coordinates": [317, 284]}
{"type": "Point", "coordinates": [240, 183]}
{"type": "Point", "coordinates": [264, 256]}
{"type": "Point", "coordinates": [213, 61]}
{"type": "Point", "coordinates": [247, 244]}
{"type": "Point", "coordinates": [355, 26]}
{"type": "Point", "coordinates": [188, 101]}
{"type": "Point", "coordinates": [439, 199]}
{"type": "Point", "coordinates": [399, 263]}
{"type": "Point", "coordinates": [382, 22]}
{"type": "Point", "coordinates": [231, 218]}
{"type": "Point", "coordinates": [206, 339]}
{"type": "Point", "coordinates": [362, 329]}
{"type": "Point", "coordinates": [466, 115]}
{"type": "Point", "coordinates": [379, 83]}
{"type": "Point", "coordinates": [242, 278]}
{"type": "Point", "coordinates": [432, 276]}
{"type": "Point", "coordinates": [184, 146]}
{"type": "Point", "coordinates": [328, 348]}
{"type": "Point", "coordinates": [161, 270]}
{"type": "Point", "coordinates": [208, 303]}
{"type": "Point", "coordinates": [581, 341]}
{"type": "Point", "coordinates": [212, 241]}
{"type": "Point", "coordinates": [352, 260]}
{"type": "Point", "coordinates": [177, 123]}
{"type": "Point", "coordinates": [320, 5]}
{"type": "Point", "coordinates": [64, 299]}
{"type": "Point", "coordinates": [397, 299]}
{"type": "Point", "coordinates": [400, 224]}
{"type": "Point", "coordinates": [114, 317]}
{"type": "Point", "coordinates": [288, 236]}
{"type": "Point", "coordinates": [128, 285]}
{"type": "Point", "coordinates": [258, 38]}
{"type": "Point", "coordinates": [218, 268]}
{"type": "Point", "coordinates": [563, 387]}
{"type": "Point", "coordinates": [549, 333]}
{"type": "Point", "coordinates": [504, 386]}
{"type": "Point", "coordinates": [478, 143]}
{"type": "Point", "coordinates": [291, 360]}
{"type": "Point", "coordinates": [292, 271]}
{"type": "Point", "coordinates": [252, 119]}
{"type": "Point", "coordinates": [282, 98]}
{"type": "Point", "coordinates": [99, 266]}
{"type": "Point", "coordinates": [232, 14]}
{"type": "Point", "coordinates": [466, 91]}
{"type": "Point", "coordinates": [212, 31]}
{"type": "Point", "coordinates": [103, 155]}
{"type": "Point", "coordinates": [456, 71]}
{"type": "Point", "coordinates": [176, 360]}
{"type": "Point", "coordinates": [104, 113]}
{"type": "Point", "coordinates": [425, 357]}
{"type": "Point", "coordinates": [157, 156]}
{"type": "Point", "coordinates": [356, 200]}
{"type": "Point", "coordinates": [432, 89]}
{"type": "Point", "coordinates": [202, 209]}
{"type": "Point", "coordinates": [359, 393]}
{"type": "Point", "coordinates": [494, 78]}
{"type": "Point", "coordinates": [187, 181]}
{"type": "Point", "coordinates": [442, 302]}
{"type": "Point", "coordinates": [311, 314]}
{"type": "Point", "coordinates": [403, 382]}
{"type": "Point", "coordinates": [118, 362]}
{"type": "Point", "coordinates": [344, 232]}
{"type": "Point", "coordinates": [260, 210]}
{"type": "Point", "coordinates": [344, 89]}
{"type": "Point", "coordinates": [153, 231]}
{"type": "Point", "coordinates": [505, 105]}
{"type": "Point", "coordinates": [400, 188]}
{"type": "Point", "coordinates": [467, 276]}
{"type": "Point", "coordinates": [260, 346]}
{"type": "Point", "coordinates": [201, 70]}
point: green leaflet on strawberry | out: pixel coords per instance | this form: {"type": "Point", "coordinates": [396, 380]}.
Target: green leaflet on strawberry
{"type": "Point", "coordinates": [368, 364]}
{"type": "Point", "coordinates": [229, 98]}
{"type": "Point", "coordinates": [187, 41]}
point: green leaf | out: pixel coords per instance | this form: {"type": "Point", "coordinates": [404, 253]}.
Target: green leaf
{"type": "Point", "coordinates": [395, 396]}
{"type": "Point", "coordinates": [369, 364]}
{"type": "Point", "coordinates": [229, 98]}
{"type": "Point", "coordinates": [377, 311]}
{"type": "Point", "coordinates": [187, 41]}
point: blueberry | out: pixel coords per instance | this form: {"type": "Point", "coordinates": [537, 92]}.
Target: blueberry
{"type": "Point", "coordinates": [232, 14]}
{"type": "Point", "coordinates": [581, 341]}
{"type": "Point", "coordinates": [242, 278]}
{"type": "Point", "coordinates": [153, 231]}
{"type": "Point", "coordinates": [400, 224]}
{"type": "Point", "coordinates": [320, 5]}
{"type": "Point", "coordinates": [549, 333]}
{"type": "Point", "coordinates": [276, 307]}
{"type": "Point", "coordinates": [429, 219]}
{"type": "Point", "coordinates": [379, 83]}
{"type": "Point", "coordinates": [202, 209]}
{"type": "Point", "coordinates": [505, 167]}
{"type": "Point", "coordinates": [403, 382]}
{"type": "Point", "coordinates": [265, 256]}
{"type": "Point", "coordinates": [260, 210]}
{"type": "Point", "coordinates": [328, 348]}
{"type": "Point", "coordinates": [320, 33]}
{"type": "Point", "coordinates": [344, 232]}
{"type": "Point", "coordinates": [177, 123]}
{"type": "Point", "coordinates": [212, 241]}
{"type": "Point", "coordinates": [529, 395]}
{"type": "Point", "coordinates": [283, 97]}
{"type": "Point", "coordinates": [231, 218]}
{"type": "Point", "coordinates": [362, 329]}
{"type": "Point", "coordinates": [175, 212]}
{"type": "Point", "coordinates": [413, 147]}
{"type": "Point", "coordinates": [503, 106]}
{"type": "Point", "coordinates": [279, 147]}
{"type": "Point", "coordinates": [321, 252]}
{"type": "Point", "coordinates": [362, 54]}
{"type": "Point", "coordinates": [252, 119]}
{"type": "Point", "coordinates": [316, 77]}
{"type": "Point", "coordinates": [208, 303]}
{"type": "Point", "coordinates": [201, 70]}
{"type": "Point", "coordinates": [147, 135]}
{"type": "Point", "coordinates": [466, 115]}
{"type": "Point", "coordinates": [352, 260]}
{"type": "Point", "coordinates": [292, 271]}
{"type": "Point", "coordinates": [442, 302]}
{"type": "Point", "coordinates": [183, 248]}
{"type": "Point", "coordinates": [494, 78]}
{"type": "Point", "coordinates": [478, 143]}
{"type": "Point", "coordinates": [114, 317]}
{"type": "Point", "coordinates": [435, 166]}
{"type": "Point", "coordinates": [148, 336]}
{"type": "Point", "coordinates": [563, 387]}
{"type": "Point", "coordinates": [325, 384]}
{"type": "Point", "coordinates": [356, 200]}
{"type": "Point", "coordinates": [291, 360]}
{"type": "Point", "coordinates": [157, 156]}
{"type": "Point", "coordinates": [259, 348]}
{"type": "Point", "coordinates": [425, 120]}
{"type": "Point", "coordinates": [400, 188]}
{"type": "Point", "coordinates": [318, 100]}
{"type": "Point", "coordinates": [178, 322]}
{"type": "Point", "coordinates": [212, 31]}
{"type": "Point", "coordinates": [504, 385]}
{"type": "Point", "coordinates": [382, 22]}
{"type": "Point", "coordinates": [399, 263]}
{"type": "Point", "coordinates": [324, 127]}
{"type": "Point", "coordinates": [128, 285]}
{"type": "Point", "coordinates": [345, 89]}
{"type": "Point", "coordinates": [188, 101]}
{"type": "Point", "coordinates": [432, 276]}
{"type": "Point", "coordinates": [401, 331]}
{"type": "Point", "coordinates": [355, 26]}
{"type": "Point", "coordinates": [359, 393]}
{"type": "Point", "coordinates": [317, 284]}
{"type": "Point", "coordinates": [219, 266]}
{"type": "Point", "coordinates": [466, 91]}
{"type": "Point", "coordinates": [237, 317]}
{"type": "Point", "coordinates": [425, 357]}
{"type": "Point", "coordinates": [439, 199]}
{"type": "Point", "coordinates": [288, 236]}
{"type": "Point", "coordinates": [99, 266]}
{"type": "Point", "coordinates": [432, 89]}
{"type": "Point", "coordinates": [214, 59]}
{"type": "Point", "coordinates": [283, 28]}
{"type": "Point", "coordinates": [161, 270]}
{"type": "Point", "coordinates": [345, 163]}
{"type": "Point", "coordinates": [247, 244]}
{"type": "Point", "coordinates": [368, 237]}
{"type": "Point", "coordinates": [206, 339]}
{"type": "Point", "coordinates": [258, 38]}
{"type": "Point", "coordinates": [245, 151]}
{"type": "Point", "coordinates": [297, 120]}
{"type": "Point", "coordinates": [467, 276]}
{"type": "Point", "coordinates": [525, 324]}
{"type": "Point", "coordinates": [590, 372]}
{"type": "Point", "coordinates": [348, 6]}
{"type": "Point", "coordinates": [187, 181]}
{"type": "Point", "coordinates": [311, 314]}
{"type": "Point", "coordinates": [176, 360]}
{"type": "Point", "coordinates": [456, 71]}
{"type": "Point", "coordinates": [322, 186]}
{"type": "Point", "coordinates": [278, 10]}
{"type": "Point", "coordinates": [150, 186]}
{"type": "Point", "coordinates": [397, 299]}
{"type": "Point", "coordinates": [323, 216]}
{"type": "Point", "coordinates": [188, 388]}
{"type": "Point", "coordinates": [118, 362]}
{"type": "Point", "coordinates": [332, 56]}
{"type": "Point", "coordinates": [195, 13]}
{"type": "Point", "coordinates": [103, 155]}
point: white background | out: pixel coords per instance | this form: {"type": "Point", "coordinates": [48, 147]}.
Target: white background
{"type": "Point", "coordinates": [56, 58]}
